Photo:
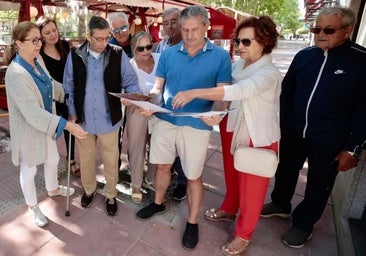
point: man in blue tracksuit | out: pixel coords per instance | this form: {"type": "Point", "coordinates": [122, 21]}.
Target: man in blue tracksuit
{"type": "Point", "coordinates": [323, 120]}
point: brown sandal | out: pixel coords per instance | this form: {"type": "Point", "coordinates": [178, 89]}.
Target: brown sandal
{"type": "Point", "coordinates": [229, 250]}
{"type": "Point", "coordinates": [74, 170]}
{"type": "Point", "coordinates": [213, 215]}
{"type": "Point", "coordinates": [136, 196]}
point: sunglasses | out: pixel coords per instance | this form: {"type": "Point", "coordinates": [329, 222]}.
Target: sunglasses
{"type": "Point", "coordinates": [34, 40]}
{"type": "Point", "coordinates": [327, 31]}
{"type": "Point", "coordinates": [142, 48]}
{"type": "Point", "coordinates": [123, 28]}
{"type": "Point", "coordinates": [245, 41]}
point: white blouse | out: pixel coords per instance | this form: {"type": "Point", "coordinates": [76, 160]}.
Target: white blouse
{"type": "Point", "coordinates": [255, 89]}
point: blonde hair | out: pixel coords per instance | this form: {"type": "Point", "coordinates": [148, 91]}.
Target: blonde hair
{"type": "Point", "coordinates": [137, 37]}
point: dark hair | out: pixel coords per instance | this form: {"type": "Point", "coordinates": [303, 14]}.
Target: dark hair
{"type": "Point", "coordinates": [265, 31]}
{"type": "Point", "coordinates": [20, 32]}
{"type": "Point", "coordinates": [97, 22]}
{"type": "Point", "coordinates": [42, 22]}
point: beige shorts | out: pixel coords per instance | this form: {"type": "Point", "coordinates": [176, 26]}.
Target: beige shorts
{"type": "Point", "coordinates": [190, 144]}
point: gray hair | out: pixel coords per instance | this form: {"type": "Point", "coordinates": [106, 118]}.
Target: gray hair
{"type": "Point", "coordinates": [117, 15]}
{"type": "Point", "coordinates": [170, 10]}
{"type": "Point", "coordinates": [137, 37]}
{"type": "Point", "coordinates": [194, 11]}
{"type": "Point", "coordinates": [346, 14]}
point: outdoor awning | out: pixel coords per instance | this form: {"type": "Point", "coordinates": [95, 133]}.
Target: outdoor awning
{"type": "Point", "coordinates": [314, 6]}
{"type": "Point", "coordinates": [135, 8]}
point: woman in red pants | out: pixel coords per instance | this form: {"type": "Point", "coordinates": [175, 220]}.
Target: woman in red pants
{"type": "Point", "coordinates": [255, 96]}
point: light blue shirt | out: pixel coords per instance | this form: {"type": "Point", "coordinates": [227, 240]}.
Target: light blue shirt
{"type": "Point", "coordinates": [96, 109]}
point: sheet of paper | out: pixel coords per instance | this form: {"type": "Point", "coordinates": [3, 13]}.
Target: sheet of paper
{"type": "Point", "coordinates": [150, 106]}
{"type": "Point", "coordinates": [202, 114]}
{"type": "Point", "coordinates": [131, 96]}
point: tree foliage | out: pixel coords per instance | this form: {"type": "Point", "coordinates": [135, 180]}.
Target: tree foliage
{"type": "Point", "coordinates": [284, 12]}
{"type": "Point", "coordinates": [8, 15]}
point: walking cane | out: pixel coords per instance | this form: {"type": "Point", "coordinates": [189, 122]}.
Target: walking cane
{"type": "Point", "coordinates": [67, 213]}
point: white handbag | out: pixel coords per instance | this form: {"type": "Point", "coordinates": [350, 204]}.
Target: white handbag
{"type": "Point", "coordinates": [256, 161]}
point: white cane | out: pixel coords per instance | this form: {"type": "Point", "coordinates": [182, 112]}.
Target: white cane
{"type": "Point", "coordinates": [67, 213]}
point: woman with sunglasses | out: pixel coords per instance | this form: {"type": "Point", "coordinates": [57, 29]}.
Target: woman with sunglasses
{"type": "Point", "coordinates": [144, 63]}
{"type": "Point", "coordinates": [54, 53]}
{"type": "Point", "coordinates": [34, 125]}
{"type": "Point", "coordinates": [255, 95]}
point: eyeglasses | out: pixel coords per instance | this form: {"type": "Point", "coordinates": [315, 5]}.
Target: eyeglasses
{"type": "Point", "coordinates": [327, 31]}
{"type": "Point", "coordinates": [102, 39]}
{"type": "Point", "coordinates": [34, 40]}
{"type": "Point", "coordinates": [123, 28]}
{"type": "Point", "coordinates": [142, 48]}
{"type": "Point", "coordinates": [245, 41]}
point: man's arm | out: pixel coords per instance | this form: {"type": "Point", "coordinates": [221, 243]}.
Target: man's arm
{"type": "Point", "coordinates": [157, 90]}
{"type": "Point", "coordinates": [68, 84]}
{"type": "Point", "coordinates": [129, 78]}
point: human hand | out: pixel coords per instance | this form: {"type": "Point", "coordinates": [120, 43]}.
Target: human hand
{"type": "Point", "coordinates": [155, 97]}
{"type": "Point", "coordinates": [76, 130]}
{"type": "Point", "coordinates": [126, 102]}
{"type": "Point", "coordinates": [181, 99]}
{"type": "Point", "coordinates": [212, 120]}
{"type": "Point", "coordinates": [146, 112]}
{"type": "Point", "coordinates": [346, 161]}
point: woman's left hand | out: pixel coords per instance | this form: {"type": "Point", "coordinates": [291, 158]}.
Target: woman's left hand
{"type": "Point", "coordinates": [213, 120]}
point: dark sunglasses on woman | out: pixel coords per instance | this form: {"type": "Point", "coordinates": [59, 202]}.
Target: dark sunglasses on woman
{"type": "Point", "coordinates": [245, 41]}
{"type": "Point", "coordinates": [142, 48]}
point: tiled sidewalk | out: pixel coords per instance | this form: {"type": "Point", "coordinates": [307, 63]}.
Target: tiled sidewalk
{"type": "Point", "coordinates": [91, 232]}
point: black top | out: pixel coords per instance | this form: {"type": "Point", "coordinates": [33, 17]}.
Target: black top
{"type": "Point", "coordinates": [56, 67]}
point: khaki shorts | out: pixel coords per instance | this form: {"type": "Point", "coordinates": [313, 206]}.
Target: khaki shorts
{"type": "Point", "coordinates": [190, 144]}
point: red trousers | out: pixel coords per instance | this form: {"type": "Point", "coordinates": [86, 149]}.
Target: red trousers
{"type": "Point", "coordinates": [245, 193]}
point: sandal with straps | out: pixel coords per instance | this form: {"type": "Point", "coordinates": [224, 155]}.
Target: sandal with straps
{"type": "Point", "coordinates": [74, 170]}
{"type": "Point", "coordinates": [136, 196]}
{"type": "Point", "coordinates": [213, 215]}
{"type": "Point", "coordinates": [229, 250]}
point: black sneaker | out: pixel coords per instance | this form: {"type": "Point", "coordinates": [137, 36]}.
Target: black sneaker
{"type": "Point", "coordinates": [150, 210]}
{"type": "Point", "coordinates": [180, 192]}
{"type": "Point", "coordinates": [87, 200]}
{"type": "Point", "coordinates": [190, 237]}
{"type": "Point", "coordinates": [270, 210]}
{"type": "Point", "coordinates": [111, 206]}
{"type": "Point", "coordinates": [296, 237]}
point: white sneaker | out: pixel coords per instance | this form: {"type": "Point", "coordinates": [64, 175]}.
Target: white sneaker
{"type": "Point", "coordinates": [38, 218]}
{"type": "Point", "coordinates": [61, 191]}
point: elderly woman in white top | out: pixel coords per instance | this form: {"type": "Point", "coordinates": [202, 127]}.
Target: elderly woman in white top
{"type": "Point", "coordinates": [255, 95]}
{"type": "Point", "coordinates": [34, 125]}
{"type": "Point", "coordinates": [144, 62]}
